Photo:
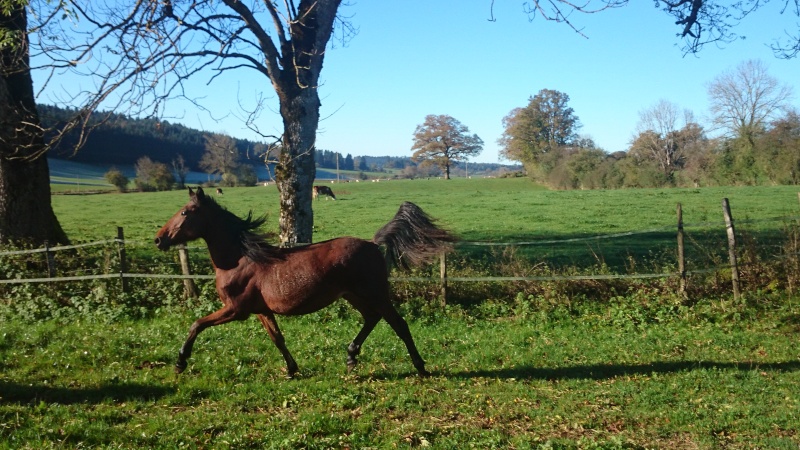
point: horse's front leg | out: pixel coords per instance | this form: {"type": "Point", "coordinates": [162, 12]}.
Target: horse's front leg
{"type": "Point", "coordinates": [219, 317]}
{"type": "Point", "coordinates": [271, 325]}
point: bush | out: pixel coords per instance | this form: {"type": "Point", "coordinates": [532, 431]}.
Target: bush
{"type": "Point", "coordinates": [117, 179]}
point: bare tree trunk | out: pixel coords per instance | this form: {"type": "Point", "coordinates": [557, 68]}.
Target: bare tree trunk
{"type": "Point", "coordinates": [26, 214]}
{"type": "Point", "coordinates": [296, 171]}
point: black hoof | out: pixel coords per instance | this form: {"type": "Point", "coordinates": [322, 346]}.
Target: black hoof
{"type": "Point", "coordinates": [180, 366]}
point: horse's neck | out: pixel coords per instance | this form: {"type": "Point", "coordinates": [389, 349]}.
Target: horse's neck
{"type": "Point", "coordinates": [225, 251]}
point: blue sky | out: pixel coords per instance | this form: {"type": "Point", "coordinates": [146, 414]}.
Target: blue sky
{"type": "Point", "coordinates": [420, 57]}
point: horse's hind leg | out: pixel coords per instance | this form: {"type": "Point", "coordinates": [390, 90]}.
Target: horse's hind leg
{"type": "Point", "coordinates": [271, 325]}
{"type": "Point", "coordinates": [400, 327]}
{"type": "Point", "coordinates": [371, 318]}
{"type": "Point", "coordinates": [219, 317]}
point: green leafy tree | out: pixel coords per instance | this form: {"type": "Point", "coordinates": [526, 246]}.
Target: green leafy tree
{"type": "Point", "coordinates": [538, 134]}
{"type": "Point", "coordinates": [117, 179]}
{"type": "Point", "coordinates": [443, 141]}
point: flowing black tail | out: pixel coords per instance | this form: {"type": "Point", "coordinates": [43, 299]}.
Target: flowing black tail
{"type": "Point", "coordinates": [411, 238]}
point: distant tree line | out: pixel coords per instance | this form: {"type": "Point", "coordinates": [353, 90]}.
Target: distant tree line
{"type": "Point", "coordinates": [122, 140]}
{"type": "Point", "coordinates": [757, 140]}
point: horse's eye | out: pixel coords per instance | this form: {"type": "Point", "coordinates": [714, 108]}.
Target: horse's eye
{"type": "Point", "coordinates": [183, 213]}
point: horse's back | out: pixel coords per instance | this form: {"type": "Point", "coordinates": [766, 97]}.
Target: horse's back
{"type": "Point", "coordinates": [311, 277]}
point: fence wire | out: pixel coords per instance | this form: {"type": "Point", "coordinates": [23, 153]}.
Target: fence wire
{"type": "Point", "coordinates": [432, 279]}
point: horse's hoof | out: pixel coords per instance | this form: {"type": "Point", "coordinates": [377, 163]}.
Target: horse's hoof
{"type": "Point", "coordinates": [424, 373]}
{"type": "Point", "coordinates": [180, 366]}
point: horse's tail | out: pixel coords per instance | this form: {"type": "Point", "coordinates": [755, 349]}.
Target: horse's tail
{"type": "Point", "coordinates": [411, 238]}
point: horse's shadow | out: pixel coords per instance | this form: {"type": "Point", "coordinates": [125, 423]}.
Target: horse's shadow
{"type": "Point", "coordinates": [599, 371]}
{"type": "Point", "coordinates": [11, 392]}
{"type": "Point", "coordinates": [608, 371]}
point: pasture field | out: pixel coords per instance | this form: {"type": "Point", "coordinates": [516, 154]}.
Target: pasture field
{"type": "Point", "coordinates": [713, 376]}
{"type": "Point", "coordinates": [476, 209]}
{"type": "Point", "coordinates": [491, 210]}
{"type": "Point", "coordinates": [637, 367]}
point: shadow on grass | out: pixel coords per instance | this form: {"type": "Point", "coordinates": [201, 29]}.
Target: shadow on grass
{"type": "Point", "coordinates": [599, 372]}
{"type": "Point", "coordinates": [118, 392]}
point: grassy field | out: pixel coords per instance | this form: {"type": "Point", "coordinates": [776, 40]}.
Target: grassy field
{"type": "Point", "coordinates": [599, 379]}
{"type": "Point", "coordinates": [487, 210]}
{"type": "Point", "coordinates": [641, 370]}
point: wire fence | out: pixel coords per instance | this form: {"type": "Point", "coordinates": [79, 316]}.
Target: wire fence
{"type": "Point", "coordinates": [121, 243]}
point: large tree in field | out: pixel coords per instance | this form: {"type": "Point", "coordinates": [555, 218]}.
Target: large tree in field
{"type": "Point", "coordinates": [538, 134]}
{"type": "Point", "coordinates": [26, 214]}
{"type": "Point", "coordinates": [141, 53]}
{"type": "Point", "coordinates": [443, 141]}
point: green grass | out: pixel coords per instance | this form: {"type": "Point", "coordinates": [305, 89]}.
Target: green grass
{"type": "Point", "coordinates": [597, 378]}
{"type": "Point", "coordinates": [493, 210]}
{"type": "Point", "coordinates": [633, 369]}
{"type": "Point", "coordinates": [478, 210]}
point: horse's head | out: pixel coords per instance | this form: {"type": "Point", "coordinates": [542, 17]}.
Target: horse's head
{"type": "Point", "coordinates": [186, 225]}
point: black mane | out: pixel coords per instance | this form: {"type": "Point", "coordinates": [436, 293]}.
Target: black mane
{"type": "Point", "coordinates": [254, 245]}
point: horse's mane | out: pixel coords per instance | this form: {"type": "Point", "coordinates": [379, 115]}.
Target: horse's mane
{"type": "Point", "coordinates": [254, 245]}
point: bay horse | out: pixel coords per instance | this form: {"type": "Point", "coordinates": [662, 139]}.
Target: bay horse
{"type": "Point", "coordinates": [254, 277]}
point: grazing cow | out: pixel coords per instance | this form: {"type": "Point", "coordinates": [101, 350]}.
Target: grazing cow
{"type": "Point", "coordinates": [219, 191]}
{"type": "Point", "coordinates": [323, 190]}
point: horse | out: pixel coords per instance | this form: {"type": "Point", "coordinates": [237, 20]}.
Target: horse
{"type": "Point", "coordinates": [254, 277]}
{"type": "Point", "coordinates": [323, 190]}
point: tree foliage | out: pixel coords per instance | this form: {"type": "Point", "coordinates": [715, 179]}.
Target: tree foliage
{"type": "Point", "coordinates": [538, 134]}
{"type": "Point", "coordinates": [660, 139]}
{"type": "Point", "coordinates": [117, 179]}
{"type": "Point", "coordinates": [152, 175]}
{"type": "Point", "coordinates": [442, 141]}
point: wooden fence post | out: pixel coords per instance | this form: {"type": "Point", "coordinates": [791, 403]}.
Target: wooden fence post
{"type": "Point", "coordinates": [51, 262]}
{"type": "Point", "coordinates": [190, 289]}
{"type": "Point", "coordinates": [443, 276]}
{"type": "Point", "coordinates": [726, 209]}
{"type": "Point", "coordinates": [123, 263]}
{"type": "Point", "coordinates": [681, 257]}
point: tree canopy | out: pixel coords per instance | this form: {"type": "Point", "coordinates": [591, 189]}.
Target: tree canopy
{"type": "Point", "coordinates": [537, 133]}
{"type": "Point", "coordinates": [443, 141]}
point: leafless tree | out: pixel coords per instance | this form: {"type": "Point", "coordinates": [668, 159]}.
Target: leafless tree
{"type": "Point", "coordinates": [221, 156]}
{"type": "Point", "coordinates": [141, 53]}
{"type": "Point", "coordinates": [664, 134]}
{"type": "Point", "coordinates": [180, 170]}
{"type": "Point", "coordinates": [743, 100]}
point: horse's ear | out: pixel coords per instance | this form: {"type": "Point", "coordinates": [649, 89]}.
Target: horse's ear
{"type": "Point", "coordinates": [197, 196]}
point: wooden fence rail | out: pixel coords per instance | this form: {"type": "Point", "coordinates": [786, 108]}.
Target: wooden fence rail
{"type": "Point", "coordinates": [191, 290]}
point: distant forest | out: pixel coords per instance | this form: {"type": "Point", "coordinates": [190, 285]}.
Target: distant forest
{"type": "Point", "coordinates": [122, 140]}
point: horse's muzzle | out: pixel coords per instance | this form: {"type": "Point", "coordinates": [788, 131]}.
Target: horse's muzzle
{"type": "Point", "coordinates": [163, 243]}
